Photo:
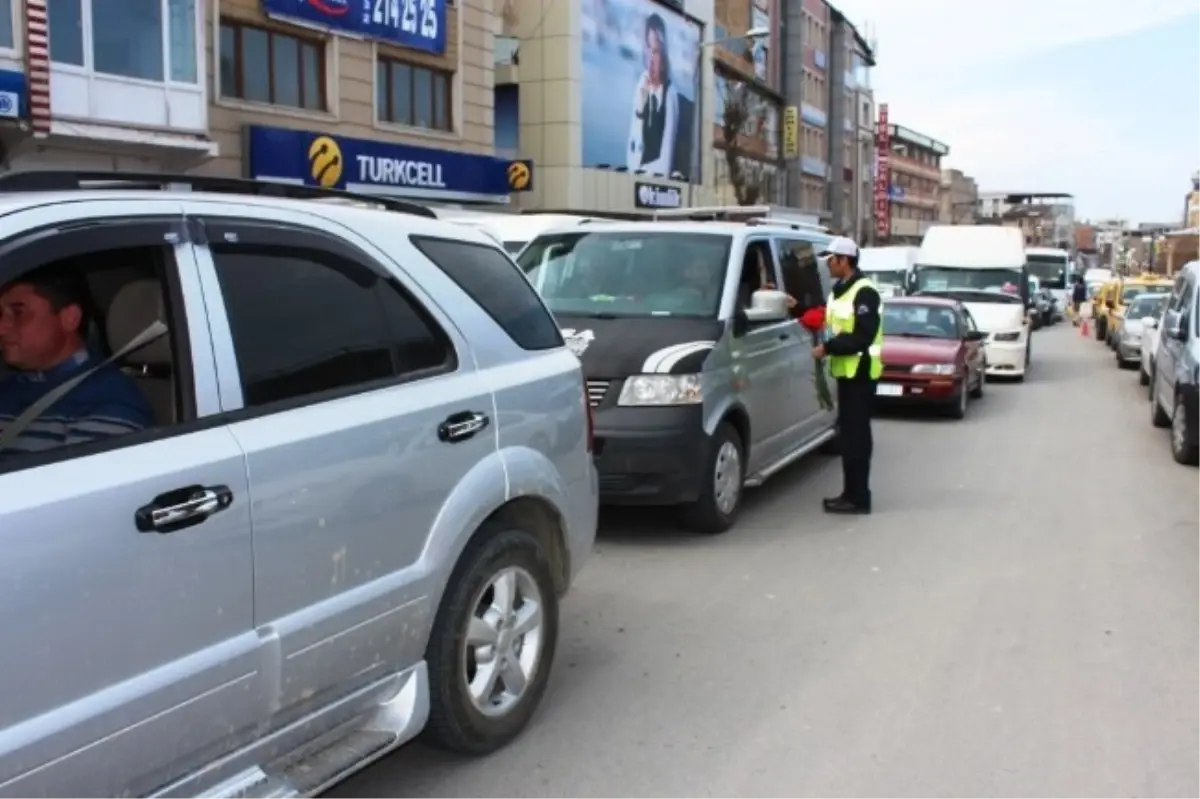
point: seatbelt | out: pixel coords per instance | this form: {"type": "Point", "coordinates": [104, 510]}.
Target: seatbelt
{"type": "Point", "coordinates": [9, 434]}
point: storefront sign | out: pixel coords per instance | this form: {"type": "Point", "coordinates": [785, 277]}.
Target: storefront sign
{"type": "Point", "coordinates": [883, 147]}
{"type": "Point", "coordinates": [791, 132]}
{"type": "Point", "coordinates": [649, 195]}
{"type": "Point", "coordinates": [416, 24]}
{"type": "Point", "coordinates": [379, 167]}
{"type": "Point", "coordinates": [13, 95]}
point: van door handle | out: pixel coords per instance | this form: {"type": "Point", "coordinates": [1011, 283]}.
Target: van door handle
{"type": "Point", "coordinates": [182, 508]}
{"type": "Point", "coordinates": [462, 426]}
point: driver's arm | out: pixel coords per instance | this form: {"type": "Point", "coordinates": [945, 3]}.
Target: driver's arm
{"type": "Point", "coordinates": [866, 324]}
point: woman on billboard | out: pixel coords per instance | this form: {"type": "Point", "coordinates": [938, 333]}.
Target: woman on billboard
{"type": "Point", "coordinates": [655, 120]}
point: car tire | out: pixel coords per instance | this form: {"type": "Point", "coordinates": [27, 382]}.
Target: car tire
{"type": "Point", "coordinates": [1158, 416]}
{"type": "Point", "coordinates": [1100, 332]}
{"type": "Point", "coordinates": [977, 392]}
{"type": "Point", "coordinates": [957, 409]}
{"type": "Point", "coordinates": [1182, 449]}
{"type": "Point", "coordinates": [456, 721]}
{"type": "Point", "coordinates": [1143, 376]}
{"type": "Point", "coordinates": [715, 510]}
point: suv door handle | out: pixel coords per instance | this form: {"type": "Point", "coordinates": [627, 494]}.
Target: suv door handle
{"type": "Point", "coordinates": [182, 508]}
{"type": "Point", "coordinates": [461, 426]}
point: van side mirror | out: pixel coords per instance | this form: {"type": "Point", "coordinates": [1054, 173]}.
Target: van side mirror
{"type": "Point", "coordinates": [767, 305]}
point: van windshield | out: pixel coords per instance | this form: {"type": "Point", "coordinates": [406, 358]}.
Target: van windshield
{"type": "Point", "coordinates": [975, 285]}
{"type": "Point", "coordinates": [1050, 270]}
{"type": "Point", "coordinates": [628, 273]}
{"type": "Point", "coordinates": [888, 277]}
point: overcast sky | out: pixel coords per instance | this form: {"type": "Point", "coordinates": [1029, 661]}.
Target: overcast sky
{"type": "Point", "coordinates": [1100, 99]}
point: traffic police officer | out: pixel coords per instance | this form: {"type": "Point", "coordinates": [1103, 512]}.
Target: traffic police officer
{"type": "Point", "coordinates": [854, 346]}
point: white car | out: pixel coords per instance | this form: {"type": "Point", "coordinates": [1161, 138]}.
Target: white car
{"type": "Point", "coordinates": [1149, 344]}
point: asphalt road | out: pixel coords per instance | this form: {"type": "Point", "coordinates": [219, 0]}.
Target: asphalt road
{"type": "Point", "coordinates": [1018, 618]}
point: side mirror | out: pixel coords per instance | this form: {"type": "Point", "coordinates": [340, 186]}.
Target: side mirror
{"type": "Point", "coordinates": [767, 305]}
{"type": "Point", "coordinates": [1173, 326]}
{"type": "Point", "coordinates": [1150, 322]}
{"type": "Point", "coordinates": [976, 335]}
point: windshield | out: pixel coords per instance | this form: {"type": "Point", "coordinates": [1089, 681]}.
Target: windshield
{"type": "Point", "coordinates": [919, 321]}
{"type": "Point", "coordinates": [1147, 305]}
{"type": "Point", "coordinates": [981, 285]}
{"type": "Point", "coordinates": [889, 277]}
{"type": "Point", "coordinates": [1050, 270]}
{"type": "Point", "coordinates": [630, 273]}
{"type": "Point", "coordinates": [1129, 292]}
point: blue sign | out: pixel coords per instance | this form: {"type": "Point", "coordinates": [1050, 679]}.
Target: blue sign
{"type": "Point", "coordinates": [340, 162]}
{"type": "Point", "coordinates": [812, 166]}
{"type": "Point", "coordinates": [14, 97]}
{"type": "Point", "coordinates": [896, 193]}
{"type": "Point", "coordinates": [416, 24]}
{"type": "Point", "coordinates": [813, 116]}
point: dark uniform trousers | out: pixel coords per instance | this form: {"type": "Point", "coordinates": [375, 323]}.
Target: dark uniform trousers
{"type": "Point", "coordinates": [855, 399]}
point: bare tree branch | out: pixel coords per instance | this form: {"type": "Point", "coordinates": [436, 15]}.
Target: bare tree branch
{"type": "Point", "coordinates": [745, 175]}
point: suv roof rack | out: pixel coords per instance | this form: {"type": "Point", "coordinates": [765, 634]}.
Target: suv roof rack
{"type": "Point", "coordinates": [748, 214]}
{"type": "Point", "coordinates": [76, 180]}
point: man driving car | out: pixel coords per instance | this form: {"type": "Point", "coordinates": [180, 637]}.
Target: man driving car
{"type": "Point", "coordinates": [42, 324]}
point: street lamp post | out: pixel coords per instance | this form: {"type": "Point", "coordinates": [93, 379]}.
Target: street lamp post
{"type": "Point", "coordinates": [750, 36]}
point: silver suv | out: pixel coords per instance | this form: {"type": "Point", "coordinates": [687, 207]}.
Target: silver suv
{"type": "Point", "coordinates": [312, 481]}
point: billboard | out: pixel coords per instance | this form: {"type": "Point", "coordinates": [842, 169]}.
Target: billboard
{"type": "Point", "coordinates": [640, 86]}
{"type": "Point", "coordinates": [883, 149]}
{"type": "Point", "coordinates": [416, 25]}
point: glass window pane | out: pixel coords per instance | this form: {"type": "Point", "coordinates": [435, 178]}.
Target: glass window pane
{"type": "Point", "coordinates": [66, 32]}
{"type": "Point", "coordinates": [182, 34]}
{"type": "Point", "coordinates": [422, 98]}
{"type": "Point", "coordinates": [401, 88]}
{"type": "Point", "coordinates": [285, 59]}
{"type": "Point", "coordinates": [313, 75]}
{"type": "Point", "coordinates": [256, 66]}
{"type": "Point", "coordinates": [381, 90]}
{"type": "Point", "coordinates": [228, 48]}
{"type": "Point", "coordinates": [6, 23]}
{"type": "Point", "coordinates": [441, 91]}
{"type": "Point", "coordinates": [127, 38]}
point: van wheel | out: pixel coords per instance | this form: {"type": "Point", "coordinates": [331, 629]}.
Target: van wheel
{"type": "Point", "coordinates": [492, 643]}
{"type": "Point", "coordinates": [1181, 436]}
{"type": "Point", "coordinates": [1158, 416]}
{"type": "Point", "coordinates": [716, 509]}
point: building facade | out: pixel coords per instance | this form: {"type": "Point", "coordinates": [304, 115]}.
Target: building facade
{"type": "Point", "coordinates": [809, 29]}
{"type": "Point", "coordinates": [959, 198]}
{"type": "Point", "coordinates": [915, 183]}
{"type": "Point", "coordinates": [852, 112]}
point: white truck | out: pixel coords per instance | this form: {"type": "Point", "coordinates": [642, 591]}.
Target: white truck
{"type": "Point", "coordinates": [889, 268]}
{"type": "Point", "coordinates": [985, 268]}
{"type": "Point", "coordinates": [1052, 268]}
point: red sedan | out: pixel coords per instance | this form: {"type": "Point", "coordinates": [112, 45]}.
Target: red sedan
{"type": "Point", "coordinates": [932, 353]}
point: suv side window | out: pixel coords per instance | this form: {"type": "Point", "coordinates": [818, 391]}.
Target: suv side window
{"type": "Point", "coordinates": [493, 281]}
{"type": "Point", "coordinates": [304, 322]}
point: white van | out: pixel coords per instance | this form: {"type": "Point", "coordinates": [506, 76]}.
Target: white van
{"type": "Point", "coordinates": [514, 231]}
{"type": "Point", "coordinates": [888, 267]}
{"type": "Point", "coordinates": [984, 267]}
{"type": "Point", "coordinates": [1052, 268]}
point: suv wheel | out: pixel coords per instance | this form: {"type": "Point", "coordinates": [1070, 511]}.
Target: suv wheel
{"type": "Point", "coordinates": [492, 643]}
{"type": "Point", "coordinates": [716, 509]}
{"type": "Point", "coordinates": [1158, 416]}
{"type": "Point", "coordinates": [1181, 436]}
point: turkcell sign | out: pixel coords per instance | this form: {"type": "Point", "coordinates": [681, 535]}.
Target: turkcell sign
{"type": "Point", "coordinates": [320, 159]}
{"type": "Point", "coordinates": [415, 24]}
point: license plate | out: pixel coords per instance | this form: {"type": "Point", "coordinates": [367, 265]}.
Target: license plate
{"type": "Point", "coordinates": [889, 390]}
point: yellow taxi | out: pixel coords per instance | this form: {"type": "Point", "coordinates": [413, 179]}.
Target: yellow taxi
{"type": "Point", "coordinates": [1119, 298]}
{"type": "Point", "coordinates": [1102, 302]}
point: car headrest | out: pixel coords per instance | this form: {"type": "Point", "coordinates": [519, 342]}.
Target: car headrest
{"type": "Point", "coordinates": [136, 306]}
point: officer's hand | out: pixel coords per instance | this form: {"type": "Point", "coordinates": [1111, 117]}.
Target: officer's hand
{"type": "Point", "coordinates": [818, 351]}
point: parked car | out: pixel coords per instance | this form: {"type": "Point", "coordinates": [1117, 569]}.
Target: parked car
{"type": "Point", "coordinates": [687, 354]}
{"type": "Point", "coordinates": [1149, 344]}
{"type": "Point", "coordinates": [1119, 298]}
{"type": "Point", "coordinates": [932, 354]}
{"type": "Point", "coordinates": [368, 482]}
{"type": "Point", "coordinates": [1141, 312]}
{"type": "Point", "coordinates": [1175, 378]}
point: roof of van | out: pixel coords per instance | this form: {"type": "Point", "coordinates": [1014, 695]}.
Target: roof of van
{"type": "Point", "coordinates": [736, 229]}
{"type": "Point", "coordinates": [886, 259]}
{"type": "Point", "coordinates": [1047, 251]}
{"type": "Point", "coordinates": [973, 246]}
{"type": "Point", "coordinates": [521, 227]}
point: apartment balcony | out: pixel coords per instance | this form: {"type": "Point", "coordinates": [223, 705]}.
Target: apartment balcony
{"type": "Point", "coordinates": [911, 166]}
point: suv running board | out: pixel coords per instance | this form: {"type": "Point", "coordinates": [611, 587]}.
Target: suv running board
{"type": "Point", "coordinates": [757, 479]}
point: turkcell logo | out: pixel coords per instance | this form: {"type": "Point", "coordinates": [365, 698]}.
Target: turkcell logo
{"type": "Point", "coordinates": [10, 105]}
{"type": "Point", "coordinates": [334, 8]}
{"type": "Point", "coordinates": [400, 172]}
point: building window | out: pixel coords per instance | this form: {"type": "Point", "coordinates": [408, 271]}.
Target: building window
{"type": "Point", "coordinates": [6, 24]}
{"type": "Point", "coordinates": [124, 37]}
{"type": "Point", "coordinates": [406, 94]}
{"type": "Point", "coordinates": [267, 67]}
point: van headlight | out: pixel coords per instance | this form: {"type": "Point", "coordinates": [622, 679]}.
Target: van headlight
{"type": "Point", "coordinates": [933, 369]}
{"type": "Point", "coordinates": [1014, 336]}
{"type": "Point", "coordinates": [660, 390]}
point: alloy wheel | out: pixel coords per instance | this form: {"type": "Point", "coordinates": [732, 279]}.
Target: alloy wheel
{"type": "Point", "coordinates": [503, 643]}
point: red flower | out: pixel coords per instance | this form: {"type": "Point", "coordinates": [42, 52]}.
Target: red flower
{"type": "Point", "coordinates": [814, 318]}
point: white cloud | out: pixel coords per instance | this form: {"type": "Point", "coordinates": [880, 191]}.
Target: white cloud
{"type": "Point", "coordinates": [1023, 137]}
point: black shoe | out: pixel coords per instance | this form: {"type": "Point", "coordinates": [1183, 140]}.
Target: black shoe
{"type": "Point", "coordinates": [829, 502]}
{"type": "Point", "coordinates": [845, 506]}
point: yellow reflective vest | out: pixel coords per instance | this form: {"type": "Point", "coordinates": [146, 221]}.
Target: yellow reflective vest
{"type": "Point", "coordinates": [840, 318]}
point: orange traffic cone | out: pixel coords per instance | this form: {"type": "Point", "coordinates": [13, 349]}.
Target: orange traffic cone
{"type": "Point", "coordinates": [1083, 328]}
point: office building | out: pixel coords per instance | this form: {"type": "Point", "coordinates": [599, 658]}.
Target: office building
{"type": "Point", "coordinates": [915, 183]}
{"type": "Point", "coordinates": [851, 134]}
